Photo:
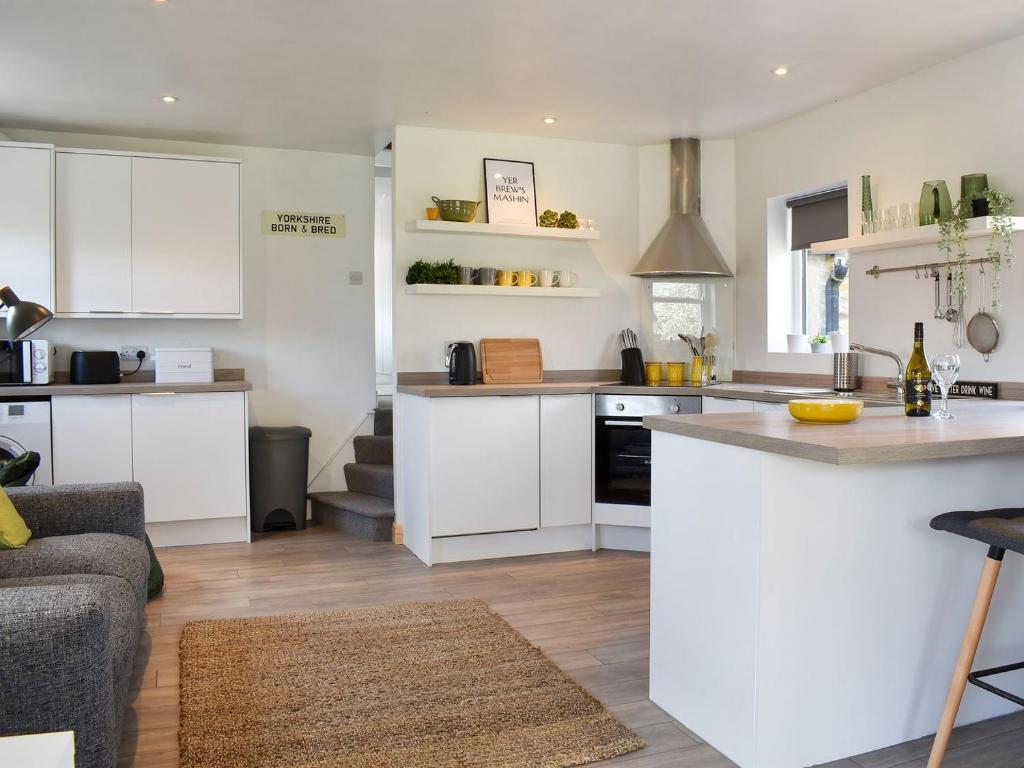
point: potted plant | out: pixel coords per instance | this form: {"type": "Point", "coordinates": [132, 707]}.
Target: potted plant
{"type": "Point", "coordinates": [821, 344]}
{"type": "Point", "coordinates": [999, 250]}
{"type": "Point", "coordinates": [433, 272]}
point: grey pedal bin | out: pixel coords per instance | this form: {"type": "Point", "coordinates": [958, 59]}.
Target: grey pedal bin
{"type": "Point", "coordinates": [278, 468]}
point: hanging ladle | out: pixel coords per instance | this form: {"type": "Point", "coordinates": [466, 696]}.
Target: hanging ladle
{"type": "Point", "coordinates": [982, 330]}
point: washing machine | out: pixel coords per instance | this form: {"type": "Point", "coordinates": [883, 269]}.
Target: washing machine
{"type": "Point", "coordinates": [25, 426]}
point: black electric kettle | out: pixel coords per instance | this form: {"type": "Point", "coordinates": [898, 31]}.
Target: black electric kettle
{"type": "Point", "coordinates": [461, 362]}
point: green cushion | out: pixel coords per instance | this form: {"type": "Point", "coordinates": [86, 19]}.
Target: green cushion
{"type": "Point", "coordinates": [19, 470]}
{"type": "Point", "coordinates": [13, 531]}
{"type": "Point", "coordinates": [156, 573]}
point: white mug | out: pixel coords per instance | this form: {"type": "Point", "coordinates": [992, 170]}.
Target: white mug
{"type": "Point", "coordinates": [566, 278]}
{"type": "Point", "coordinates": [547, 278]}
{"type": "Point", "coordinates": [840, 341]}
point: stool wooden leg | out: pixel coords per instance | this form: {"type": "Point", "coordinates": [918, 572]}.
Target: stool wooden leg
{"type": "Point", "coordinates": [976, 623]}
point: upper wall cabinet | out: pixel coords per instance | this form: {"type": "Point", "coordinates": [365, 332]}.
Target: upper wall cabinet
{"type": "Point", "coordinates": [26, 205]}
{"type": "Point", "coordinates": [185, 242]}
{"type": "Point", "coordinates": [148, 236]}
{"type": "Point", "coordinates": [94, 233]}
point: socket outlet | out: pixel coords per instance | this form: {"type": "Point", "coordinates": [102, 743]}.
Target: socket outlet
{"type": "Point", "coordinates": [129, 353]}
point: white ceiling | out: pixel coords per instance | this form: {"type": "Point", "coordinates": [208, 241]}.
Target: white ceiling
{"type": "Point", "coordinates": [338, 74]}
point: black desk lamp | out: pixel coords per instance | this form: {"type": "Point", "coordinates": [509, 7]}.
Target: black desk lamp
{"type": "Point", "coordinates": [23, 317]}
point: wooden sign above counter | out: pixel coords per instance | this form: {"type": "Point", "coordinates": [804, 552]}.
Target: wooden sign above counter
{"type": "Point", "coordinates": [300, 224]}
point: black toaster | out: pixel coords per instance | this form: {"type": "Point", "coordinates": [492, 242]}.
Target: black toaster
{"type": "Point", "coordinates": [95, 367]}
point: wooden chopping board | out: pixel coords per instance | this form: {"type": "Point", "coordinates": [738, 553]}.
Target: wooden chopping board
{"type": "Point", "coordinates": [512, 361]}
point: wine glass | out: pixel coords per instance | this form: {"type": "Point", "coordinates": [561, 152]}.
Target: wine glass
{"type": "Point", "coordinates": [945, 369]}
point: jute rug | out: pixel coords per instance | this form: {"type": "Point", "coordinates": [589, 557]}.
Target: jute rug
{"type": "Point", "coordinates": [416, 685]}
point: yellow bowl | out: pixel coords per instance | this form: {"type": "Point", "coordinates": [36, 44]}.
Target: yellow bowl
{"type": "Point", "coordinates": [825, 411]}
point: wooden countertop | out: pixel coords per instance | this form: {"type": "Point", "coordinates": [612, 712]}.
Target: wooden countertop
{"type": "Point", "coordinates": [225, 380]}
{"type": "Point", "coordinates": [880, 435]}
{"type": "Point", "coordinates": [725, 390]}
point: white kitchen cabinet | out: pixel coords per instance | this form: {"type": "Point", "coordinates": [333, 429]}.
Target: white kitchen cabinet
{"type": "Point", "coordinates": [26, 231]}
{"type": "Point", "coordinates": [92, 438]}
{"type": "Point", "coordinates": [761, 407]}
{"type": "Point", "coordinates": [566, 459]}
{"type": "Point", "coordinates": [725, 405]}
{"type": "Point", "coordinates": [186, 256]}
{"type": "Point", "coordinates": [485, 464]}
{"type": "Point", "coordinates": [94, 238]}
{"type": "Point", "coordinates": [189, 451]}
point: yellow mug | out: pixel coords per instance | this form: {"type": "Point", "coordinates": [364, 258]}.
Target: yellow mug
{"type": "Point", "coordinates": [507, 278]}
{"type": "Point", "coordinates": [675, 373]}
{"type": "Point", "coordinates": [525, 278]}
{"type": "Point", "coordinates": [433, 214]}
{"type": "Point", "coordinates": [652, 373]}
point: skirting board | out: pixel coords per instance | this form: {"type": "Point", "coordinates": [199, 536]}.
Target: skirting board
{"type": "Point", "coordinates": [629, 538]}
{"type": "Point", "coordinates": [181, 533]}
{"type": "Point", "coordinates": [485, 546]}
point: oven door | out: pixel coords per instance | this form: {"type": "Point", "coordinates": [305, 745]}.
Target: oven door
{"type": "Point", "coordinates": [622, 461]}
{"type": "Point", "coordinates": [15, 362]}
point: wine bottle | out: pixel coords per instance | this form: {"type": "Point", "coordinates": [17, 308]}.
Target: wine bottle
{"type": "Point", "coordinates": [918, 399]}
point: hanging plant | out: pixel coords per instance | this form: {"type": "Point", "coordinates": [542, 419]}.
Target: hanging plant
{"type": "Point", "coordinates": [999, 251]}
{"type": "Point", "coordinates": [953, 245]}
{"type": "Point", "coordinates": [1000, 243]}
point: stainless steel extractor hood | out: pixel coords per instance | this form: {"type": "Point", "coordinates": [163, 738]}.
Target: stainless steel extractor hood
{"type": "Point", "coordinates": [684, 247]}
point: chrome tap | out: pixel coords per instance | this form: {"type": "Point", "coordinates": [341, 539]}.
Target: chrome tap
{"type": "Point", "coordinates": [899, 384]}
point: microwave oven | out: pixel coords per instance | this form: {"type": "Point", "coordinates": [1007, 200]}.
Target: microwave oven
{"type": "Point", "coordinates": [26, 362]}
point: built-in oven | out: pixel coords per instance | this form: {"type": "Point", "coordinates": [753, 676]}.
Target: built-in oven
{"type": "Point", "coordinates": [15, 362]}
{"type": "Point", "coordinates": [622, 447]}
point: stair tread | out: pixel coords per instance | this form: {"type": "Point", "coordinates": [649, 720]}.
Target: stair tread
{"type": "Point", "coordinates": [358, 503]}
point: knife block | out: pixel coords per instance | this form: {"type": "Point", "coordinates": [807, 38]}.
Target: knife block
{"type": "Point", "coordinates": [632, 367]}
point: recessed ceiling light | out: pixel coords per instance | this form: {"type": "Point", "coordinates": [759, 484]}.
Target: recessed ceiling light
{"type": "Point", "coordinates": [550, 120]}
{"type": "Point", "coordinates": [168, 98]}
{"type": "Point", "coordinates": [781, 71]}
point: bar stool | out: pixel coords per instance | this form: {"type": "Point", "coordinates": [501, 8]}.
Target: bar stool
{"type": "Point", "coordinates": [1001, 529]}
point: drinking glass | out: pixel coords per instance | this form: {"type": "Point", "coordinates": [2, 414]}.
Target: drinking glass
{"type": "Point", "coordinates": [945, 369]}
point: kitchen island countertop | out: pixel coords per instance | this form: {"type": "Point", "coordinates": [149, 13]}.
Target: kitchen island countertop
{"type": "Point", "coordinates": [878, 436]}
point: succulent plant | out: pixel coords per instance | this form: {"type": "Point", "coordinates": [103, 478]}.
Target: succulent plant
{"type": "Point", "coordinates": [549, 218]}
{"type": "Point", "coordinates": [568, 220]}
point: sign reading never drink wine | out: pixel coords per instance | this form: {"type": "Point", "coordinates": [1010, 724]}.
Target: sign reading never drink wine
{"type": "Point", "coordinates": [300, 224]}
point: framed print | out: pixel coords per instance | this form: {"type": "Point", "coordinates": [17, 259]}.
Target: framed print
{"type": "Point", "coordinates": [511, 192]}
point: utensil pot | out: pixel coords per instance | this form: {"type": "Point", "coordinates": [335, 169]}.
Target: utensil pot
{"type": "Point", "coordinates": [844, 372]}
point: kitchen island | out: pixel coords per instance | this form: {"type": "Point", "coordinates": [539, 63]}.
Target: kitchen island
{"type": "Point", "coordinates": [802, 610]}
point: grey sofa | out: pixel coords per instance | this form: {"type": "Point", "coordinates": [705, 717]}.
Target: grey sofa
{"type": "Point", "coordinates": [71, 612]}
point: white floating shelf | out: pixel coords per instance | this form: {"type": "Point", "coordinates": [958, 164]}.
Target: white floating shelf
{"type": "Point", "coordinates": [906, 238]}
{"type": "Point", "coordinates": [503, 290]}
{"type": "Point", "coordinates": [511, 230]}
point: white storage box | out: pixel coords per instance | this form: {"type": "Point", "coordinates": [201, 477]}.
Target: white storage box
{"type": "Point", "coordinates": [184, 365]}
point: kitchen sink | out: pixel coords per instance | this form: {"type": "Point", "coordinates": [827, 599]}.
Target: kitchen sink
{"type": "Point", "coordinates": [867, 397]}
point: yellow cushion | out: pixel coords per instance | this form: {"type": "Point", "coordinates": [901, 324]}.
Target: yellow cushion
{"type": "Point", "coordinates": [13, 531]}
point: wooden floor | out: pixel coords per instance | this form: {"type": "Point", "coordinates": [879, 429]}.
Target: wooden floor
{"type": "Point", "coordinates": [588, 612]}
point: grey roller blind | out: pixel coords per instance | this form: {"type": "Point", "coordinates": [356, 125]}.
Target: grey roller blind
{"type": "Point", "coordinates": [818, 217]}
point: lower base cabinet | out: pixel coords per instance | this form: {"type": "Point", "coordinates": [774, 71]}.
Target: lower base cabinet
{"type": "Point", "coordinates": [188, 450]}
{"type": "Point", "coordinates": [485, 465]}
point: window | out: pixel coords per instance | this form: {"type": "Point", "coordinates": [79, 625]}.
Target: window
{"type": "Point", "coordinates": [682, 307]}
{"type": "Point", "coordinates": [824, 292]}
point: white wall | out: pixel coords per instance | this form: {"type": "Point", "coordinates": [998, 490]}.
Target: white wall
{"type": "Point", "coordinates": [955, 118]}
{"type": "Point", "coordinates": [624, 189]}
{"type": "Point", "coordinates": [306, 341]}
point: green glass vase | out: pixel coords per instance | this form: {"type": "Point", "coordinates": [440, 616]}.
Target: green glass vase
{"type": "Point", "coordinates": [935, 202]}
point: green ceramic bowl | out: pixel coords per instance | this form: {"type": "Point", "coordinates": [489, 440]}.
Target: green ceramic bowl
{"type": "Point", "coordinates": [456, 210]}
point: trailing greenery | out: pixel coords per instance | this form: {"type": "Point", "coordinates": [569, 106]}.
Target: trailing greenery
{"type": "Point", "coordinates": [999, 251]}
{"type": "Point", "coordinates": [433, 273]}
{"type": "Point", "coordinates": [1000, 243]}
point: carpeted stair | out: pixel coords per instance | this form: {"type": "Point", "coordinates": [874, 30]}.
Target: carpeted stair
{"type": "Point", "coordinates": [367, 508]}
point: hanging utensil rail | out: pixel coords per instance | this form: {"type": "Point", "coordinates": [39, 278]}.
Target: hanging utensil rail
{"type": "Point", "coordinates": [875, 271]}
